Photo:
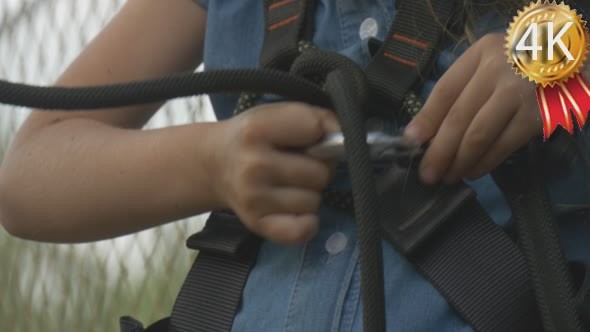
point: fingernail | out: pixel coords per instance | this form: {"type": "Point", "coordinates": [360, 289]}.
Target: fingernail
{"type": "Point", "coordinates": [413, 133]}
{"type": "Point", "coordinates": [428, 175]}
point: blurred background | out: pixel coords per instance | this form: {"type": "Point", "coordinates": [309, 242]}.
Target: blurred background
{"type": "Point", "coordinates": [85, 287]}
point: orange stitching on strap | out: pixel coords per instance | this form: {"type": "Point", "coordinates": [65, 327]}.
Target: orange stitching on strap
{"type": "Point", "coordinates": [411, 41]}
{"type": "Point", "coordinates": [284, 22]}
{"type": "Point", "coordinates": [279, 4]}
{"type": "Point", "coordinates": [400, 60]}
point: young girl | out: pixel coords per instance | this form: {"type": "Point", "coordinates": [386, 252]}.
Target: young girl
{"type": "Point", "coordinates": [73, 177]}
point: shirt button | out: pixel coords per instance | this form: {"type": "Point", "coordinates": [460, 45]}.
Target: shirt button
{"type": "Point", "coordinates": [336, 243]}
{"type": "Point", "coordinates": [369, 28]}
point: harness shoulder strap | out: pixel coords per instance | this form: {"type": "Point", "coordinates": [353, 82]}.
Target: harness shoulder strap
{"type": "Point", "coordinates": [407, 53]}
{"type": "Point", "coordinates": [212, 292]}
{"type": "Point", "coordinates": [287, 22]}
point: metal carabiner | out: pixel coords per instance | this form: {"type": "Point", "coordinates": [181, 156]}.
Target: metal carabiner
{"type": "Point", "coordinates": [382, 147]}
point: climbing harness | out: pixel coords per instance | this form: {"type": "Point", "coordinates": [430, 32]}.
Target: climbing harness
{"type": "Point", "coordinates": [493, 282]}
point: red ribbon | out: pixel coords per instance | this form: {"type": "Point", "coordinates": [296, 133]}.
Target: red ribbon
{"type": "Point", "coordinates": [558, 102]}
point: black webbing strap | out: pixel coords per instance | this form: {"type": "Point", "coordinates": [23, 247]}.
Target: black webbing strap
{"type": "Point", "coordinates": [130, 324]}
{"type": "Point", "coordinates": [408, 49]}
{"type": "Point", "coordinates": [581, 273]}
{"type": "Point", "coordinates": [212, 291]}
{"type": "Point", "coordinates": [448, 237]}
{"type": "Point", "coordinates": [583, 299]}
{"type": "Point", "coordinates": [287, 22]}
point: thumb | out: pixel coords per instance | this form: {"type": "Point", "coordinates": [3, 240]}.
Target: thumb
{"type": "Point", "coordinates": [329, 122]}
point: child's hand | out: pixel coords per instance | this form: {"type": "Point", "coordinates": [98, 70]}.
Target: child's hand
{"type": "Point", "coordinates": [261, 173]}
{"type": "Point", "coordinates": [479, 112]}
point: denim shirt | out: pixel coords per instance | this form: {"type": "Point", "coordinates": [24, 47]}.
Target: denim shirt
{"type": "Point", "coordinates": [316, 286]}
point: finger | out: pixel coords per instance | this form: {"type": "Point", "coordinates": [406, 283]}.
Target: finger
{"type": "Point", "coordinates": [444, 146]}
{"type": "Point", "coordinates": [288, 229]}
{"type": "Point", "coordinates": [296, 200]}
{"type": "Point", "coordinates": [286, 200]}
{"type": "Point", "coordinates": [329, 121]}
{"type": "Point", "coordinates": [486, 127]}
{"type": "Point", "coordinates": [290, 125]}
{"type": "Point", "coordinates": [298, 170]}
{"type": "Point", "coordinates": [444, 94]}
{"type": "Point", "coordinates": [523, 126]}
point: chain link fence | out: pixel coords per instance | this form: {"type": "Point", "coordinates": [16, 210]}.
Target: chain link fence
{"type": "Point", "coordinates": [85, 287]}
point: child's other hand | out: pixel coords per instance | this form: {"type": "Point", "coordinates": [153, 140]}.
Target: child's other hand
{"type": "Point", "coordinates": [260, 172]}
{"type": "Point", "coordinates": [479, 112]}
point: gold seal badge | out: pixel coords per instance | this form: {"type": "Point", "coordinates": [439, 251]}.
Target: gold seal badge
{"type": "Point", "coordinates": [546, 42]}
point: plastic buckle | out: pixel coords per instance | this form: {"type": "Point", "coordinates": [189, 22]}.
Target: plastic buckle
{"type": "Point", "coordinates": [411, 212]}
{"type": "Point", "coordinates": [225, 235]}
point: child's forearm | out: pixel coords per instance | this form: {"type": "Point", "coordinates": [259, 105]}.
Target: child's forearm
{"type": "Point", "coordinates": [81, 180]}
